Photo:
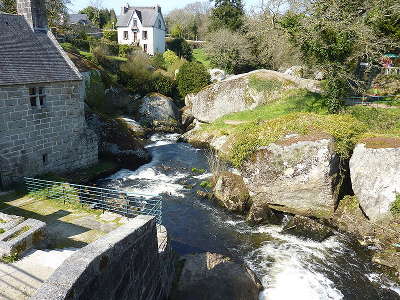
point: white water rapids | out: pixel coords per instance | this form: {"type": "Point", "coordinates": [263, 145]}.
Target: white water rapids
{"type": "Point", "coordinates": [289, 267]}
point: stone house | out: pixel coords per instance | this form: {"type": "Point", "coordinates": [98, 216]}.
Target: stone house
{"type": "Point", "coordinates": [42, 124]}
{"type": "Point", "coordinates": [142, 26]}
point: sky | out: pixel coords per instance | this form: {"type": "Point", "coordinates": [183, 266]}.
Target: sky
{"type": "Point", "coordinates": [166, 5]}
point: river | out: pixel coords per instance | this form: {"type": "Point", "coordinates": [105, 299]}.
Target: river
{"type": "Point", "coordinates": [289, 267]}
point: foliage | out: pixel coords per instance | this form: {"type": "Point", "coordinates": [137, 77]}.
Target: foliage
{"type": "Point", "coordinates": [395, 207]}
{"type": "Point", "coordinates": [335, 36]}
{"type": "Point", "coordinates": [227, 14]}
{"type": "Point", "coordinates": [206, 184]}
{"type": "Point", "coordinates": [198, 171]}
{"type": "Point", "coordinates": [81, 44]}
{"type": "Point", "coordinates": [164, 85]}
{"type": "Point", "coordinates": [192, 77]}
{"type": "Point", "coordinates": [111, 35]}
{"type": "Point", "coordinates": [158, 61]}
{"type": "Point", "coordinates": [125, 50]}
{"type": "Point", "coordinates": [170, 57]}
{"type": "Point", "coordinates": [190, 22]}
{"type": "Point", "coordinates": [181, 48]}
{"type": "Point", "coordinates": [95, 93]}
{"type": "Point", "coordinates": [229, 51]}
{"type": "Point", "coordinates": [99, 16]}
{"type": "Point", "coordinates": [69, 48]}
{"type": "Point", "coordinates": [200, 56]}
{"type": "Point", "coordinates": [136, 74]}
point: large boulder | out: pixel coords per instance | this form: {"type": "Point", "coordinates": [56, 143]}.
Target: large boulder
{"type": "Point", "coordinates": [217, 75]}
{"type": "Point", "coordinates": [298, 174]}
{"type": "Point", "coordinates": [231, 192]}
{"type": "Point", "coordinates": [215, 277]}
{"type": "Point", "coordinates": [243, 92]}
{"type": "Point", "coordinates": [120, 139]}
{"type": "Point", "coordinates": [159, 112]}
{"type": "Point", "coordinates": [375, 175]}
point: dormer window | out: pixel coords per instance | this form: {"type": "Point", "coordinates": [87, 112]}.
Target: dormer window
{"type": "Point", "coordinates": [37, 96]}
{"type": "Point", "coordinates": [134, 23]}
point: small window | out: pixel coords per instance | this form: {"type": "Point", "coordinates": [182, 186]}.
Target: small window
{"type": "Point", "coordinates": [159, 24]}
{"type": "Point", "coordinates": [35, 94]}
{"type": "Point", "coordinates": [134, 23]}
{"type": "Point", "coordinates": [144, 35]}
{"type": "Point", "coordinates": [145, 48]}
{"type": "Point", "coordinates": [45, 159]}
{"type": "Point", "coordinates": [125, 35]}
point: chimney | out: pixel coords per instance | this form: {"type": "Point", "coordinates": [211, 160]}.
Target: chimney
{"type": "Point", "coordinates": [158, 8]}
{"type": "Point", "coordinates": [34, 12]}
{"type": "Point", "coordinates": [124, 9]}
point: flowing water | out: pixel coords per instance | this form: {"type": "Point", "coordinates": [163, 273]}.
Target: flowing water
{"type": "Point", "coordinates": [289, 267]}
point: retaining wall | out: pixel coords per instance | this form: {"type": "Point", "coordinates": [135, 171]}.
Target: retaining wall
{"type": "Point", "coordinates": [124, 264]}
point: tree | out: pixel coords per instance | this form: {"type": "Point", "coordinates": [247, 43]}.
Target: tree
{"type": "Point", "coordinates": [181, 47]}
{"type": "Point", "coordinates": [192, 77]}
{"type": "Point", "coordinates": [335, 36]}
{"type": "Point", "coordinates": [230, 51]}
{"type": "Point", "coordinates": [227, 14]}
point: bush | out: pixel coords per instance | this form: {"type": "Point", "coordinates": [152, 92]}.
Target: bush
{"type": "Point", "coordinates": [164, 85]}
{"type": "Point", "coordinates": [95, 93]}
{"type": "Point", "coordinates": [170, 57]}
{"type": "Point", "coordinates": [69, 48]}
{"type": "Point", "coordinates": [111, 35]}
{"type": "Point", "coordinates": [158, 61]}
{"type": "Point", "coordinates": [395, 207]}
{"type": "Point", "coordinates": [100, 54]}
{"type": "Point", "coordinates": [181, 48]}
{"type": "Point", "coordinates": [192, 77]}
{"type": "Point", "coordinates": [136, 74]}
{"type": "Point", "coordinates": [81, 44]}
{"type": "Point", "coordinates": [125, 50]}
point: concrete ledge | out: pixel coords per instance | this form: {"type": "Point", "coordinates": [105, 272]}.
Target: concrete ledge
{"type": "Point", "coordinates": [10, 245]}
{"type": "Point", "coordinates": [123, 264]}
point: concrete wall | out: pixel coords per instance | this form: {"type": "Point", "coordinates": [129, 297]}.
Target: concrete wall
{"type": "Point", "coordinates": [125, 264]}
{"type": "Point", "coordinates": [56, 130]}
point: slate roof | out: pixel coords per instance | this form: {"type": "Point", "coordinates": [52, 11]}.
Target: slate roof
{"type": "Point", "coordinates": [146, 15]}
{"type": "Point", "coordinates": [31, 57]}
{"type": "Point", "coordinates": [77, 18]}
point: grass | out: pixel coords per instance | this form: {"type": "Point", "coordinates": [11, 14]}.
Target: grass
{"type": "Point", "coordinates": [303, 113]}
{"type": "Point", "coordinates": [87, 55]}
{"type": "Point", "coordinates": [200, 56]}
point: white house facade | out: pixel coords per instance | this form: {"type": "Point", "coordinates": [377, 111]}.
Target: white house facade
{"type": "Point", "coordinates": [142, 26]}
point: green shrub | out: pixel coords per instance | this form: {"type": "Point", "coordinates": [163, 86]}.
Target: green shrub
{"type": "Point", "coordinates": [163, 85]}
{"type": "Point", "coordinates": [181, 48]}
{"type": "Point", "coordinates": [158, 61]}
{"type": "Point", "coordinates": [95, 93]}
{"type": "Point", "coordinates": [69, 48]}
{"type": "Point", "coordinates": [81, 44]}
{"type": "Point", "coordinates": [192, 77]}
{"type": "Point", "coordinates": [136, 74]}
{"type": "Point", "coordinates": [125, 50]}
{"type": "Point", "coordinates": [111, 35]}
{"type": "Point", "coordinates": [170, 57]}
{"type": "Point", "coordinates": [395, 207]}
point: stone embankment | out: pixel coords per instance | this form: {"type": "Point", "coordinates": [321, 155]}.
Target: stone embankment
{"type": "Point", "coordinates": [125, 264]}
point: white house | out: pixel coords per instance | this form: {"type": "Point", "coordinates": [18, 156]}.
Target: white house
{"type": "Point", "coordinates": [142, 26]}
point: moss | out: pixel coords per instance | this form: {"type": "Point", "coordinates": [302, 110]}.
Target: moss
{"type": "Point", "coordinates": [395, 207]}
{"type": "Point", "coordinates": [198, 171]}
{"type": "Point", "coordinates": [2, 230]}
{"type": "Point", "coordinates": [9, 259]}
{"type": "Point", "coordinates": [265, 85]}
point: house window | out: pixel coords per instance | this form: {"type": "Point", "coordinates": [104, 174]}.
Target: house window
{"type": "Point", "coordinates": [45, 159]}
{"type": "Point", "coordinates": [135, 36]}
{"type": "Point", "coordinates": [37, 96]}
{"type": "Point", "coordinates": [125, 35]}
{"type": "Point", "coordinates": [134, 23]}
{"type": "Point", "coordinates": [145, 48]}
{"type": "Point", "coordinates": [159, 24]}
{"type": "Point", "coordinates": [144, 35]}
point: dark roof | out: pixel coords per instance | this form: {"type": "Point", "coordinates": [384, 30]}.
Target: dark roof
{"type": "Point", "coordinates": [78, 18]}
{"type": "Point", "coordinates": [31, 57]}
{"type": "Point", "coordinates": [146, 15]}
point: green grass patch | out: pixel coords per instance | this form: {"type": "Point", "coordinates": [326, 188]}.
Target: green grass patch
{"type": "Point", "coordinates": [117, 58]}
{"type": "Point", "coordinates": [200, 56]}
{"type": "Point", "coordinates": [87, 55]}
{"type": "Point", "coordinates": [395, 207]}
{"type": "Point", "coordinates": [17, 233]}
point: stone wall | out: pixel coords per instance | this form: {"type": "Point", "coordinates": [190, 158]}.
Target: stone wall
{"type": "Point", "coordinates": [43, 138]}
{"type": "Point", "coordinates": [125, 264]}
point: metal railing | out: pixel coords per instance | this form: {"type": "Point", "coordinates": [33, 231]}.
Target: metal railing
{"type": "Point", "coordinates": [120, 202]}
